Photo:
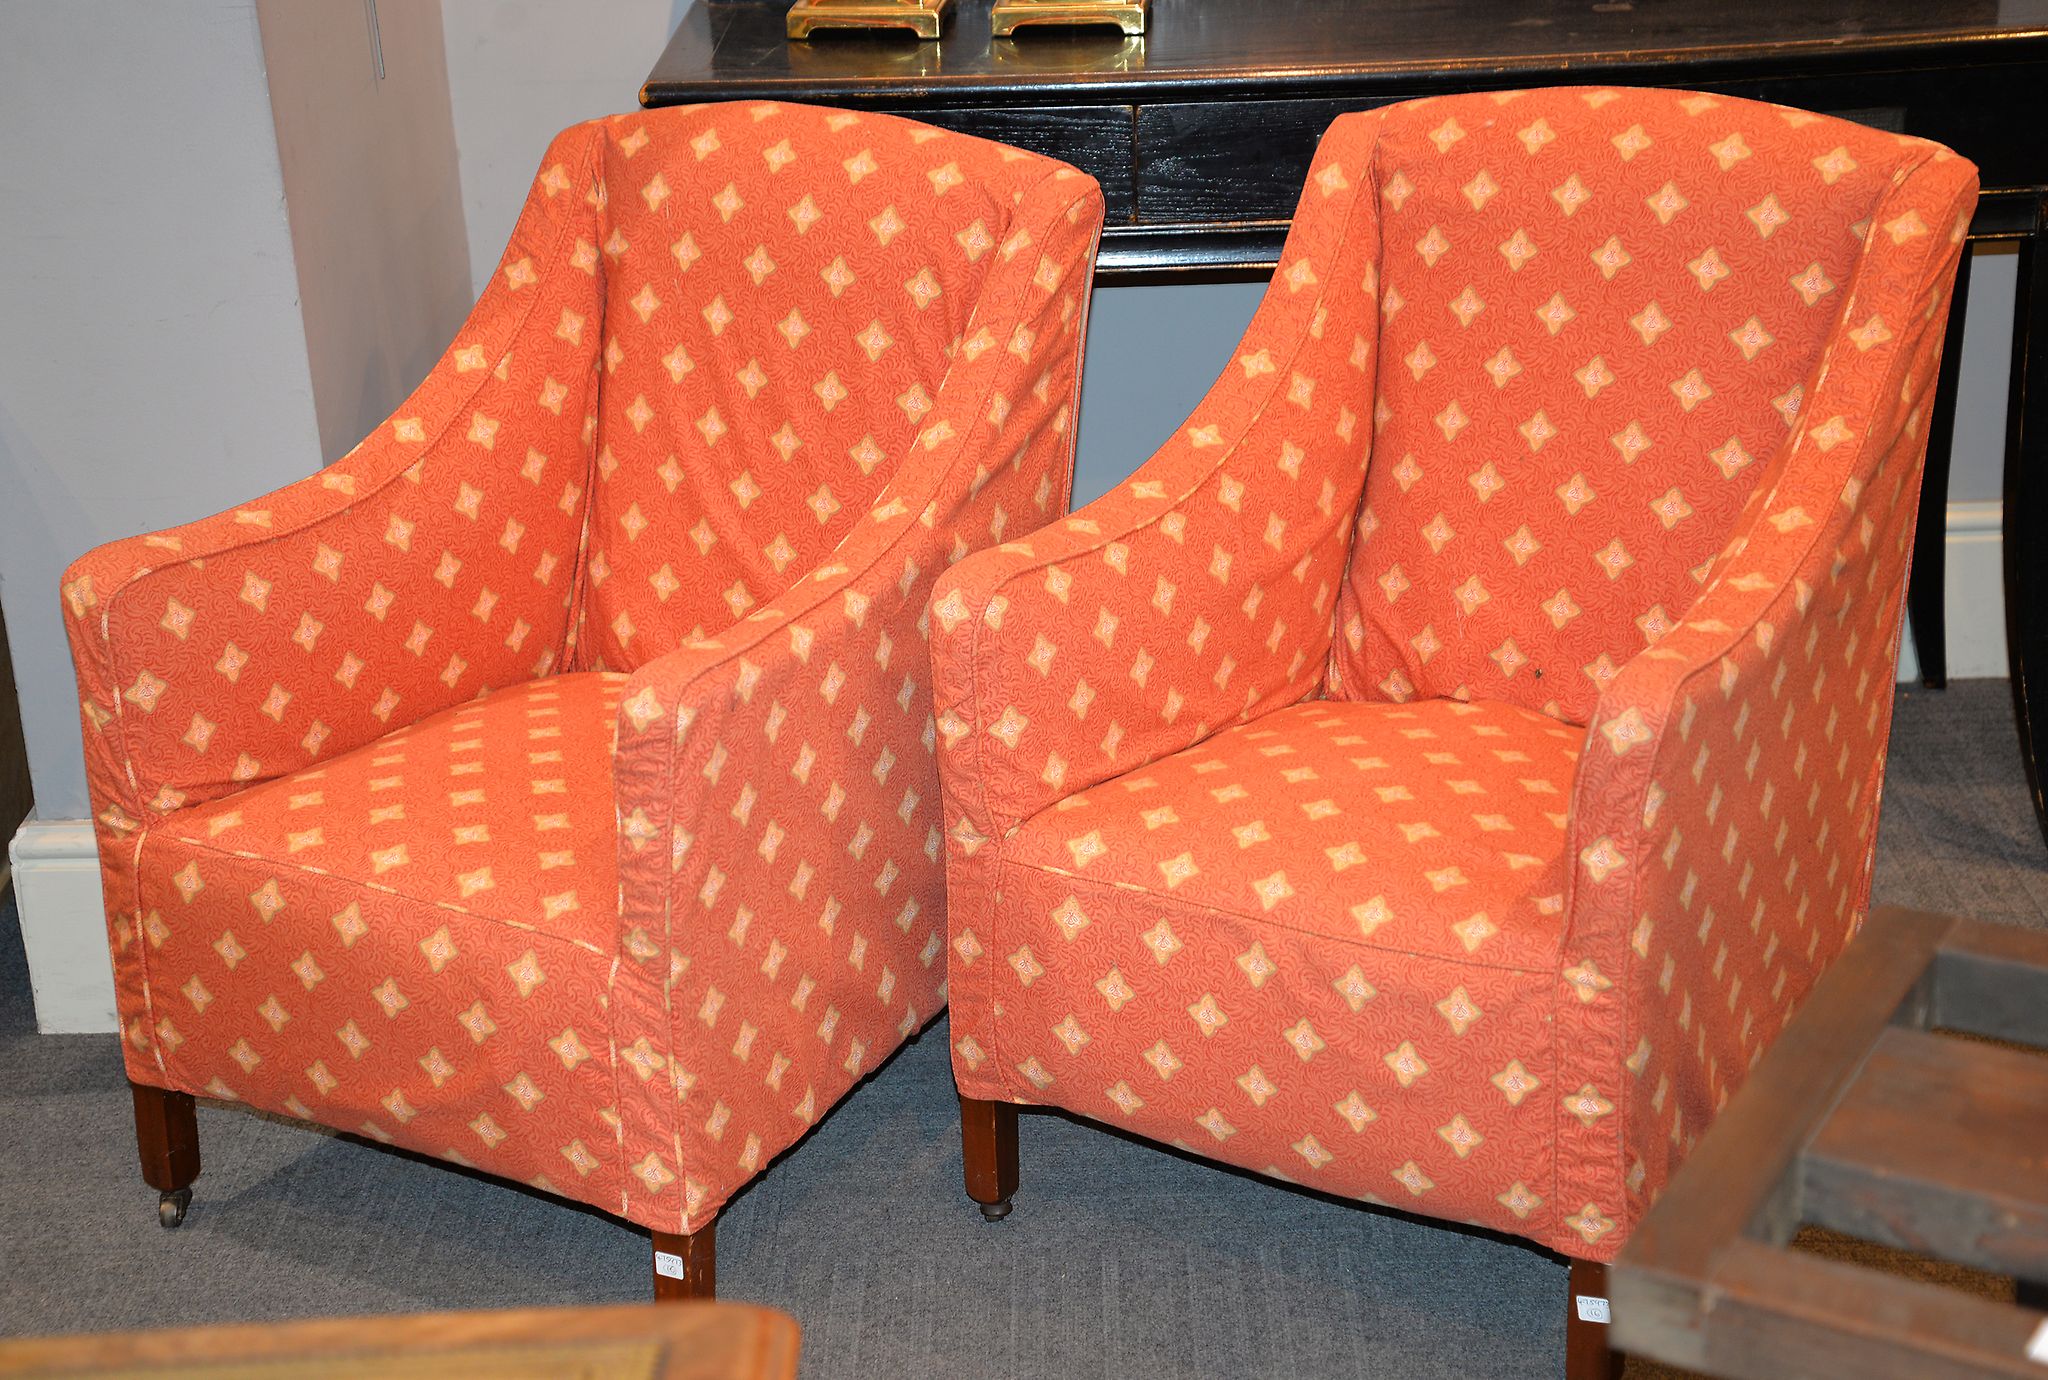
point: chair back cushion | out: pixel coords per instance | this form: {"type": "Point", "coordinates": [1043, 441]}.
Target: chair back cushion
{"type": "Point", "coordinates": [784, 288]}
{"type": "Point", "coordinates": [1600, 312]}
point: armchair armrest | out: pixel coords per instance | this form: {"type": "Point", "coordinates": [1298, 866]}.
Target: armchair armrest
{"type": "Point", "coordinates": [779, 836]}
{"type": "Point", "coordinates": [432, 561]}
{"type": "Point", "coordinates": [1726, 805]}
{"type": "Point", "coordinates": [1200, 591]}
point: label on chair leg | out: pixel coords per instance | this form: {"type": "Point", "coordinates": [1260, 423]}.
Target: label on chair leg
{"type": "Point", "coordinates": [1592, 1308]}
{"type": "Point", "coordinates": [671, 1265]}
{"type": "Point", "coordinates": [2037, 1349]}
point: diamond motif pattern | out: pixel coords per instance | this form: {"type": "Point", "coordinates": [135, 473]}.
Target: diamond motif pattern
{"type": "Point", "coordinates": [1442, 769]}
{"type": "Point", "coordinates": [548, 784]}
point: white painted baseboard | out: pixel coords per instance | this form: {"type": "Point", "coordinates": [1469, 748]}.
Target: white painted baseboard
{"type": "Point", "coordinates": [63, 926]}
{"type": "Point", "coordinates": [57, 876]}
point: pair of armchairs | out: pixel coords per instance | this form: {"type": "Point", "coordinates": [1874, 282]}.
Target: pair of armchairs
{"type": "Point", "coordinates": [1433, 777]}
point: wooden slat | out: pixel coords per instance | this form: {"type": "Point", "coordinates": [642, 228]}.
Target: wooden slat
{"type": "Point", "coordinates": [1992, 980]}
{"type": "Point", "coordinates": [1940, 1146]}
{"type": "Point", "coordinates": [1741, 1178]}
{"type": "Point", "coordinates": [1779, 1313]}
{"type": "Point", "coordinates": [677, 1341]}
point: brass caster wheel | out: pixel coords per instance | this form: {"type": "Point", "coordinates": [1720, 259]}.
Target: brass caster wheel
{"type": "Point", "coordinates": [170, 1208]}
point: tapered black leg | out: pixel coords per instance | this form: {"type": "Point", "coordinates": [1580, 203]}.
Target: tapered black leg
{"type": "Point", "coordinates": [2026, 517]}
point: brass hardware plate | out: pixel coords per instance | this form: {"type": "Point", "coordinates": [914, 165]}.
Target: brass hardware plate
{"type": "Point", "coordinates": [1128, 15]}
{"type": "Point", "coordinates": [922, 17]}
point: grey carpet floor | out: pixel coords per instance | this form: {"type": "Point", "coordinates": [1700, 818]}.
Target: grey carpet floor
{"type": "Point", "coordinates": [1121, 1260]}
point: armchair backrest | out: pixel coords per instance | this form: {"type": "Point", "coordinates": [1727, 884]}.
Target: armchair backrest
{"type": "Point", "coordinates": [784, 289]}
{"type": "Point", "coordinates": [1600, 312]}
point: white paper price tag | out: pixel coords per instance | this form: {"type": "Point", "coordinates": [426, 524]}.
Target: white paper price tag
{"type": "Point", "coordinates": [669, 1264]}
{"type": "Point", "coordinates": [2037, 1347]}
{"type": "Point", "coordinates": [1592, 1308]}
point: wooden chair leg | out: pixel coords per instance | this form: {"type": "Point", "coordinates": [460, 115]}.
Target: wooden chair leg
{"type": "Point", "coordinates": [988, 1150]}
{"type": "Point", "coordinates": [686, 1264]}
{"type": "Point", "coordinates": [1586, 1353]}
{"type": "Point", "coordinates": [167, 1137]}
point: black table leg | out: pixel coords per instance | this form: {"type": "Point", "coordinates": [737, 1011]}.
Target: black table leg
{"type": "Point", "coordinates": [2026, 513]}
{"type": "Point", "coordinates": [1926, 595]}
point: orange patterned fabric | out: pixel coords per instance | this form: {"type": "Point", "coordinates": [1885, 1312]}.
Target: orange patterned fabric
{"type": "Point", "coordinates": [1438, 774]}
{"type": "Point", "coordinates": [403, 824]}
{"type": "Point", "coordinates": [1581, 362]}
{"type": "Point", "coordinates": [1310, 807]}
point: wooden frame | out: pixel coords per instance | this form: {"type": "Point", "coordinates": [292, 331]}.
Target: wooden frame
{"type": "Point", "coordinates": [1864, 1120]}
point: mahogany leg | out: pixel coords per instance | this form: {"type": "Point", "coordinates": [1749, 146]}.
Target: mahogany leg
{"type": "Point", "coordinates": [167, 1137]}
{"type": "Point", "coordinates": [1586, 1353]}
{"type": "Point", "coordinates": [686, 1264]}
{"type": "Point", "coordinates": [988, 1149]}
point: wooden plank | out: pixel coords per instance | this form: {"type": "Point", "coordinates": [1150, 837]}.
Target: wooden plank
{"type": "Point", "coordinates": [673, 1341]}
{"type": "Point", "coordinates": [1992, 980]}
{"type": "Point", "coordinates": [1742, 1178]}
{"type": "Point", "coordinates": [1940, 1146]}
{"type": "Point", "coordinates": [1779, 1313]}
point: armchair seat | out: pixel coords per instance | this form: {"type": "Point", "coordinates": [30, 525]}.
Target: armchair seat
{"type": "Point", "coordinates": [499, 811]}
{"type": "Point", "coordinates": [442, 903]}
{"type": "Point", "coordinates": [1435, 829]}
{"type": "Point", "coordinates": [1308, 946]}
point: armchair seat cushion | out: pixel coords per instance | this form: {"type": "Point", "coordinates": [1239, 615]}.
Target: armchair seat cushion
{"type": "Point", "coordinates": [1434, 828]}
{"type": "Point", "coordinates": [432, 912]}
{"type": "Point", "coordinates": [1322, 945]}
{"type": "Point", "coordinates": [500, 809]}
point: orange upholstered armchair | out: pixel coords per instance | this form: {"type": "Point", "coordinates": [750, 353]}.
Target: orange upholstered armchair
{"type": "Point", "coordinates": [1441, 770]}
{"type": "Point", "coordinates": [548, 785]}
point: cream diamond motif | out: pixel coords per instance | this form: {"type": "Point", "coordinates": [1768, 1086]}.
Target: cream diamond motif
{"type": "Point", "coordinates": [1163, 942]}
{"type": "Point", "coordinates": [1160, 1057]}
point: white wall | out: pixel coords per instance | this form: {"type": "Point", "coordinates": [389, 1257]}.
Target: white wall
{"type": "Point", "coordinates": [152, 362]}
{"type": "Point", "coordinates": [519, 71]}
{"type": "Point", "coordinates": [1153, 352]}
{"type": "Point", "coordinates": [366, 140]}
{"type": "Point", "coordinates": [1977, 463]}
